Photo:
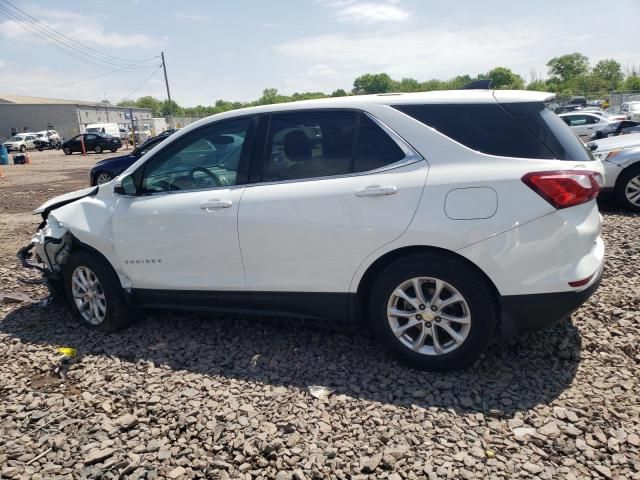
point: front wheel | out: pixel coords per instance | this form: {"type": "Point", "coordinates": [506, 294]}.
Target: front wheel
{"type": "Point", "coordinates": [114, 150]}
{"type": "Point", "coordinates": [103, 177]}
{"type": "Point", "coordinates": [94, 293]}
{"type": "Point", "coordinates": [67, 151]}
{"type": "Point", "coordinates": [433, 312]}
{"type": "Point", "coordinates": [23, 148]}
{"type": "Point", "coordinates": [627, 190]}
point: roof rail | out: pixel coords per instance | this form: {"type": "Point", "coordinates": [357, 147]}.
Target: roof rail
{"type": "Point", "coordinates": [478, 85]}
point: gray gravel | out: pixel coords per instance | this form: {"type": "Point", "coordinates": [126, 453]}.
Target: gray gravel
{"type": "Point", "coordinates": [188, 396]}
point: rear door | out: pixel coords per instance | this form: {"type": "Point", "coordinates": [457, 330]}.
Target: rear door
{"type": "Point", "coordinates": [332, 187]}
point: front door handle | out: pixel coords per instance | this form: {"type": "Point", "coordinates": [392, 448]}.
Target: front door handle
{"type": "Point", "coordinates": [210, 205]}
{"type": "Point", "coordinates": [376, 191]}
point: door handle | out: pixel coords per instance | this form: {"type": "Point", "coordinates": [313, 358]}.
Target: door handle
{"type": "Point", "coordinates": [210, 205]}
{"type": "Point", "coordinates": [376, 191]}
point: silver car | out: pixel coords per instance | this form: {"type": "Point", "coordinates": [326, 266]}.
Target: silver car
{"type": "Point", "coordinates": [621, 159]}
{"type": "Point", "coordinates": [21, 141]}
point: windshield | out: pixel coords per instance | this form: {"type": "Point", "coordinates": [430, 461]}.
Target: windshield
{"type": "Point", "coordinates": [93, 130]}
{"type": "Point", "coordinates": [17, 138]}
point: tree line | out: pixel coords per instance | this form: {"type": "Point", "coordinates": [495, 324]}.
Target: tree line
{"type": "Point", "coordinates": [568, 74]}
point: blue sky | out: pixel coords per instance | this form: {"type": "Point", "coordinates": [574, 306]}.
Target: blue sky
{"type": "Point", "coordinates": [234, 49]}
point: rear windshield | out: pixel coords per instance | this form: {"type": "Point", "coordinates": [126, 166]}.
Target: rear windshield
{"type": "Point", "coordinates": [523, 130]}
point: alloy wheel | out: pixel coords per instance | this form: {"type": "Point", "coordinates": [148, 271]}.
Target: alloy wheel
{"type": "Point", "coordinates": [429, 316]}
{"type": "Point", "coordinates": [632, 191]}
{"type": "Point", "coordinates": [88, 295]}
{"type": "Point", "coordinates": [103, 178]}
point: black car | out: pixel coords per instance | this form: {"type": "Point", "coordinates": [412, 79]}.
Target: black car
{"type": "Point", "coordinates": [617, 128]}
{"type": "Point", "coordinates": [106, 170]}
{"type": "Point", "coordinates": [93, 142]}
{"type": "Point", "coordinates": [567, 108]}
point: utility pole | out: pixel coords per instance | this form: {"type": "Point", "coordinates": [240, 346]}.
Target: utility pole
{"type": "Point", "coordinates": [166, 82]}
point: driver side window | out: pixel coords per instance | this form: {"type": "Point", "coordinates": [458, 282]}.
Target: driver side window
{"type": "Point", "coordinates": [206, 158]}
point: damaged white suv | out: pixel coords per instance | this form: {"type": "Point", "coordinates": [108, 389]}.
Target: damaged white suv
{"type": "Point", "coordinates": [435, 218]}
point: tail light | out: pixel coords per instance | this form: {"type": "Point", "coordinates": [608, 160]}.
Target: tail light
{"type": "Point", "coordinates": [565, 188]}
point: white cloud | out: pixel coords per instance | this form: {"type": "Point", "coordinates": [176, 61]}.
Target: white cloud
{"type": "Point", "coordinates": [365, 12]}
{"type": "Point", "coordinates": [192, 17]}
{"type": "Point", "coordinates": [82, 28]}
{"type": "Point", "coordinates": [429, 52]}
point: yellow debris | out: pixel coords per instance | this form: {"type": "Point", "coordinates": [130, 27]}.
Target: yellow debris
{"type": "Point", "coordinates": [68, 351]}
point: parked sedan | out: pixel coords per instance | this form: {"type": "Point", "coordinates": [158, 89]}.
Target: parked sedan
{"type": "Point", "coordinates": [21, 141]}
{"type": "Point", "coordinates": [93, 142]}
{"type": "Point", "coordinates": [584, 124]}
{"type": "Point", "coordinates": [106, 170]}
{"type": "Point", "coordinates": [614, 129]}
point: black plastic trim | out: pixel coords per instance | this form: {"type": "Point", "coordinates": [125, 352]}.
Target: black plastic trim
{"type": "Point", "coordinates": [313, 305]}
{"type": "Point", "coordinates": [539, 311]}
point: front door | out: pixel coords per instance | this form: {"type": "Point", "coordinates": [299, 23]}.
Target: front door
{"type": "Point", "coordinates": [181, 232]}
{"type": "Point", "coordinates": [335, 186]}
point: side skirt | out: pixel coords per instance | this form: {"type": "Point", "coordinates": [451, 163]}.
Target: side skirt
{"type": "Point", "coordinates": [312, 305]}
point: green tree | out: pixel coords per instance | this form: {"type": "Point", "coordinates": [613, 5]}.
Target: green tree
{"type": "Point", "coordinates": [339, 93]}
{"type": "Point", "coordinates": [174, 110]}
{"type": "Point", "coordinates": [504, 78]}
{"type": "Point", "coordinates": [150, 102]}
{"type": "Point", "coordinates": [610, 72]}
{"type": "Point", "coordinates": [408, 85]}
{"type": "Point", "coordinates": [632, 83]}
{"type": "Point", "coordinates": [372, 83]}
{"type": "Point", "coordinates": [566, 68]}
{"type": "Point", "coordinates": [126, 103]}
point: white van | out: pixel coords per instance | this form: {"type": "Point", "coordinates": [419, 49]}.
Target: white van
{"type": "Point", "coordinates": [108, 128]}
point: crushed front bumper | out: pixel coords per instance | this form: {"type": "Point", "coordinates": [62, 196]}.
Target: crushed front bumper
{"type": "Point", "coordinates": [48, 250]}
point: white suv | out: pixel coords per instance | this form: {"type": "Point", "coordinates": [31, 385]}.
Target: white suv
{"type": "Point", "coordinates": [434, 218]}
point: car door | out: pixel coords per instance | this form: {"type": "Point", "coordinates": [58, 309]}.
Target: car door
{"type": "Point", "coordinates": [578, 123]}
{"type": "Point", "coordinates": [180, 233]}
{"type": "Point", "coordinates": [30, 141]}
{"type": "Point", "coordinates": [90, 141]}
{"type": "Point", "coordinates": [332, 187]}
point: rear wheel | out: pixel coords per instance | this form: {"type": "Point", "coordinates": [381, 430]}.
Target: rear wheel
{"type": "Point", "coordinates": [433, 312]}
{"type": "Point", "coordinates": [95, 294]}
{"type": "Point", "coordinates": [97, 149]}
{"type": "Point", "coordinates": [23, 148]}
{"type": "Point", "coordinates": [114, 150]}
{"type": "Point", "coordinates": [627, 190]}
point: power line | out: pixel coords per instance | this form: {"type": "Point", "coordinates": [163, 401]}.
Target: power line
{"type": "Point", "coordinates": [145, 82]}
{"type": "Point", "coordinates": [104, 74]}
{"type": "Point", "coordinates": [72, 41]}
{"type": "Point", "coordinates": [68, 45]}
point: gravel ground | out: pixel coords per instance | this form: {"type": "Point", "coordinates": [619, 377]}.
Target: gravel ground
{"type": "Point", "coordinates": [203, 396]}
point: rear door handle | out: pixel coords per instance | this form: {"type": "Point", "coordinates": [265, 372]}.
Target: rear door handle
{"type": "Point", "coordinates": [210, 205]}
{"type": "Point", "coordinates": [376, 191]}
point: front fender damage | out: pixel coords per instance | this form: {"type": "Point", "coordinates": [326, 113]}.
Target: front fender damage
{"type": "Point", "coordinates": [48, 250]}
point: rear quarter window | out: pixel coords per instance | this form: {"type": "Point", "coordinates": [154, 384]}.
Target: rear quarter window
{"type": "Point", "coordinates": [521, 130]}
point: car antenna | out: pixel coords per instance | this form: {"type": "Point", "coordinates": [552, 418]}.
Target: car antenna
{"type": "Point", "coordinates": [478, 85]}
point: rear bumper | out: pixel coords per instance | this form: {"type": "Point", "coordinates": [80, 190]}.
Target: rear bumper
{"type": "Point", "coordinates": [539, 311]}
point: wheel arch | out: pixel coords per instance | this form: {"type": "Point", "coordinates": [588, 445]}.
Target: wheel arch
{"type": "Point", "coordinates": [79, 245]}
{"type": "Point", "coordinates": [371, 273]}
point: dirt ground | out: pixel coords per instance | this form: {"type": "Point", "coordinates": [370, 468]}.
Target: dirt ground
{"type": "Point", "coordinates": [220, 397]}
{"type": "Point", "coordinates": [25, 187]}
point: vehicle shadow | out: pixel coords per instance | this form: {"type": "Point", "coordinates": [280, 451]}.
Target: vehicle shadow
{"type": "Point", "coordinates": [538, 368]}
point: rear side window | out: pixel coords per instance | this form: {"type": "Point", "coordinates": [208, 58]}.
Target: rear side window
{"type": "Point", "coordinates": [374, 148]}
{"type": "Point", "coordinates": [524, 130]}
{"type": "Point", "coordinates": [316, 143]}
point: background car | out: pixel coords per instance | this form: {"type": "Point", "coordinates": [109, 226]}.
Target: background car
{"type": "Point", "coordinates": [620, 157]}
{"type": "Point", "coordinates": [623, 127]}
{"type": "Point", "coordinates": [631, 110]}
{"type": "Point", "coordinates": [21, 142]}
{"type": "Point", "coordinates": [584, 124]}
{"type": "Point", "coordinates": [566, 108]}
{"type": "Point", "coordinates": [106, 170]}
{"type": "Point", "coordinates": [92, 143]}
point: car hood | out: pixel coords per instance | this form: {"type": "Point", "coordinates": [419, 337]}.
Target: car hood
{"type": "Point", "coordinates": [64, 199]}
{"type": "Point", "coordinates": [116, 159]}
{"type": "Point", "coordinates": [616, 143]}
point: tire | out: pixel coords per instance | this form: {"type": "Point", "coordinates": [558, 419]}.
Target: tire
{"type": "Point", "coordinates": [108, 299]}
{"type": "Point", "coordinates": [627, 191]}
{"type": "Point", "coordinates": [97, 149]}
{"type": "Point", "coordinates": [114, 150]}
{"type": "Point", "coordinates": [103, 177]}
{"type": "Point", "coordinates": [67, 151]}
{"type": "Point", "coordinates": [23, 148]}
{"type": "Point", "coordinates": [478, 305]}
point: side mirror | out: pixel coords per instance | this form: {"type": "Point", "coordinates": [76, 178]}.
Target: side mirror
{"type": "Point", "coordinates": [125, 186]}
